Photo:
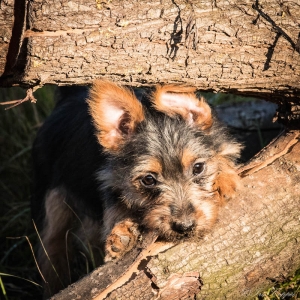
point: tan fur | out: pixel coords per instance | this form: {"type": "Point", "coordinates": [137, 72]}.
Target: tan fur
{"type": "Point", "coordinates": [233, 149]}
{"type": "Point", "coordinates": [159, 218]}
{"type": "Point", "coordinates": [188, 158]}
{"type": "Point", "coordinates": [104, 96]}
{"type": "Point", "coordinates": [206, 215]}
{"type": "Point", "coordinates": [205, 205]}
{"type": "Point", "coordinates": [227, 179]}
{"type": "Point", "coordinates": [192, 109]}
{"type": "Point", "coordinates": [121, 239]}
{"type": "Point", "coordinates": [147, 165]}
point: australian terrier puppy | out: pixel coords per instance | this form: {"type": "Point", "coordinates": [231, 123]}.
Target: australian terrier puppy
{"type": "Point", "coordinates": [109, 167]}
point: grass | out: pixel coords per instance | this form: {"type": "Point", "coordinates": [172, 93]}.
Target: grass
{"type": "Point", "coordinates": [18, 273]}
{"type": "Point", "coordinates": [289, 289]}
{"type": "Point", "coordinates": [18, 127]}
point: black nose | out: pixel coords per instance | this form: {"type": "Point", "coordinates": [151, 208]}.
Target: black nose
{"type": "Point", "coordinates": [183, 227]}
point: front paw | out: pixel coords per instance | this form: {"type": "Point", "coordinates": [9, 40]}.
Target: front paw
{"type": "Point", "coordinates": [121, 239]}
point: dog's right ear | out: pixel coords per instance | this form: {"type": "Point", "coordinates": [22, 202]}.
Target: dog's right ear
{"type": "Point", "coordinates": [115, 112]}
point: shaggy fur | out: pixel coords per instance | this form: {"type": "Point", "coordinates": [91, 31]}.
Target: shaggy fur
{"type": "Point", "coordinates": [109, 168]}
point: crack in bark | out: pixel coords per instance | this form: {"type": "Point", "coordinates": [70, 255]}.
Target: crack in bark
{"type": "Point", "coordinates": [298, 43]}
{"type": "Point", "coordinates": [214, 4]}
{"type": "Point", "coordinates": [191, 32]}
{"type": "Point", "coordinates": [276, 28]}
{"type": "Point", "coordinates": [176, 36]}
{"type": "Point", "coordinates": [20, 9]}
{"type": "Point", "coordinates": [32, 33]}
{"type": "Point", "coordinates": [271, 51]}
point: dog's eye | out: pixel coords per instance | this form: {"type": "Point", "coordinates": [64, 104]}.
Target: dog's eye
{"type": "Point", "coordinates": [198, 168]}
{"type": "Point", "coordinates": [148, 181]}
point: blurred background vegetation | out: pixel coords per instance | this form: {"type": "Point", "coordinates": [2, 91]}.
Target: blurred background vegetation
{"type": "Point", "coordinates": [19, 277]}
{"type": "Point", "coordinates": [18, 127]}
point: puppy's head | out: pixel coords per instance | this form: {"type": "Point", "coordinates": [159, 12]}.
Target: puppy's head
{"type": "Point", "coordinates": [171, 166]}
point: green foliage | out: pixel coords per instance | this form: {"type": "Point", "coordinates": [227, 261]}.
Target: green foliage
{"type": "Point", "coordinates": [220, 98]}
{"type": "Point", "coordinates": [18, 127]}
{"type": "Point", "coordinates": [288, 289]}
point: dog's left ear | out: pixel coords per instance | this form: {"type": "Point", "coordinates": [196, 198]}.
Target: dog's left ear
{"type": "Point", "coordinates": [181, 100]}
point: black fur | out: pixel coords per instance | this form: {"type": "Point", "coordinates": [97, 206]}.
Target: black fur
{"type": "Point", "coordinates": [66, 152]}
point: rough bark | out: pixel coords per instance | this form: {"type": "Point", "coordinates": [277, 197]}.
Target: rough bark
{"type": "Point", "coordinates": [247, 46]}
{"type": "Point", "coordinates": [6, 25]}
{"type": "Point", "coordinates": [255, 241]}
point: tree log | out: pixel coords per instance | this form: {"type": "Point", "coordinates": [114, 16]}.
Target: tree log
{"type": "Point", "coordinates": [247, 47]}
{"type": "Point", "coordinates": [255, 242]}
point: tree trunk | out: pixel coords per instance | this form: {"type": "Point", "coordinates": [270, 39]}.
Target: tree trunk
{"type": "Point", "coordinates": [255, 242]}
{"type": "Point", "coordinates": [247, 47]}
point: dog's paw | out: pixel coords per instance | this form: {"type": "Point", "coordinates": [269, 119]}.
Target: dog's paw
{"type": "Point", "coordinates": [122, 238]}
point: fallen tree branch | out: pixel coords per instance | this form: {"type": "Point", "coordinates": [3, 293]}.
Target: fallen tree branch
{"type": "Point", "coordinates": [256, 238]}
{"type": "Point", "coordinates": [141, 44]}
{"type": "Point", "coordinates": [265, 157]}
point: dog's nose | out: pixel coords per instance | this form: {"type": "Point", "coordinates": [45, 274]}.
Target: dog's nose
{"type": "Point", "coordinates": [183, 227]}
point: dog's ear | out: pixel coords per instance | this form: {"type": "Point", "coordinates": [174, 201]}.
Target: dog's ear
{"type": "Point", "coordinates": [181, 100]}
{"type": "Point", "coordinates": [227, 179]}
{"type": "Point", "coordinates": [115, 113]}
